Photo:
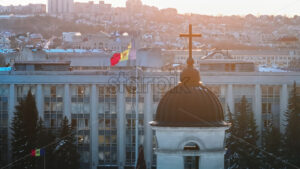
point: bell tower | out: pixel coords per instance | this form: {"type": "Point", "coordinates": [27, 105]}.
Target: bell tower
{"type": "Point", "coordinates": [189, 124]}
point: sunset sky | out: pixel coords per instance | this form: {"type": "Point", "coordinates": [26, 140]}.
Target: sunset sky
{"type": "Point", "coordinates": [210, 7]}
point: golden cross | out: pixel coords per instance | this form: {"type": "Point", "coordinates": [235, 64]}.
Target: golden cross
{"type": "Point", "coordinates": [190, 36]}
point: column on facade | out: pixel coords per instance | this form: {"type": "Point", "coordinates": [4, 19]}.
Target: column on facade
{"type": "Point", "coordinates": [94, 128]}
{"type": "Point", "coordinates": [71, 6]}
{"type": "Point", "coordinates": [258, 110]}
{"type": "Point", "coordinates": [60, 6]}
{"type": "Point", "coordinates": [67, 102]}
{"type": "Point", "coordinates": [49, 6]}
{"type": "Point", "coordinates": [121, 127]}
{"type": "Point", "coordinates": [148, 134]}
{"type": "Point", "coordinates": [11, 110]}
{"type": "Point", "coordinates": [229, 98]}
{"type": "Point", "coordinates": [283, 106]}
{"type": "Point", "coordinates": [40, 100]}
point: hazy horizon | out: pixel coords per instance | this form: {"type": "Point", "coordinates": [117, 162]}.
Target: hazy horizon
{"type": "Point", "coordinates": [212, 7]}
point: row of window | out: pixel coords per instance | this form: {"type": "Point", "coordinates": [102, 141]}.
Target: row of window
{"type": "Point", "coordinates": [107, 117]}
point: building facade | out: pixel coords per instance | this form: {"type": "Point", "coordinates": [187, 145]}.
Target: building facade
{"type": "Point", "coordinates": [60, 6]}
{"type": "Point", "coordinates": [278, 58]}
{"type": "Point", "coordinates": [101, 106]}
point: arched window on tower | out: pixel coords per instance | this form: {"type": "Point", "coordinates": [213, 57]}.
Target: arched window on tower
{"type": "Point", "coordinates": [191, 162]}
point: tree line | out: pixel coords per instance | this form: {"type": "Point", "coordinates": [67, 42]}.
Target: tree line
{"type": "Point", "coordinates": [29, 133]}
{"type": "Point", "coordinates": [277, 150]}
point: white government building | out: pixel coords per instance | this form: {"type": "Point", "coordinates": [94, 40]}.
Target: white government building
{"type": "Point", "coordinates": [101, 102]}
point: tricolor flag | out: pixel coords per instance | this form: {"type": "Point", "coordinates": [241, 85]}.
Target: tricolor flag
{"type": "Point", "coordinates": [119, 57]}
{"type": "Point", "coordinates": [115, 59]}
{"type": "Point", "coordinates": [37, 152]}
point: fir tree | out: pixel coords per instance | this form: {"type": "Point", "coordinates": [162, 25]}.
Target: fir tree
{"type": "Point", "coordinates": [292, 136]}
{"type": "Point", "coordinates": [13, 42]}
{"type": "Point", "coordinates": [242, 139]}
{"type": "Point", "coordinates": [272, 143]}
{"type": "Point", "coordinates": [66, 151]}
{"type": "Point", "coordinates": [230, 141]}
{"type": "Point", "coordinates": [1, 149]}
{"type": "Point", "coordinates": [2, 60]}
{"type": "Point", "coordinates": [141, 163]}
{"type": "Point", "coordinates": [24, 132]}
{"type": "Point", "coordinates": [46, 141]}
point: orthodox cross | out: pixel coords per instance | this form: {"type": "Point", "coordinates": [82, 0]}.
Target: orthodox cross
{"type": "Point", "coordinates": [190, 60]}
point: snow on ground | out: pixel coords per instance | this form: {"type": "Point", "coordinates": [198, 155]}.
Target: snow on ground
{"type": "Point", "coordinates": [14, 16]}
{"type": "Point", "coordinates": [270, 69]}
{"type": "Point", "coordinates": [72, 51]}
{"type": "Point", "coordinates": [6, 50]}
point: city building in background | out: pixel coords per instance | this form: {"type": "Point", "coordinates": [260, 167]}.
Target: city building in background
{"type": "Point", "coordinates": [134, 6]}
{"type": "Point", "coordinates": [81, 8]}
{"type": "Point", "coordinates": [23, 9]}
{"type": "Point", "coordinates": [60, 6]}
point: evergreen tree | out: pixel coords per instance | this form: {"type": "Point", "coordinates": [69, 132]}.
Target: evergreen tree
{"type": "Point", "coordinates": [1, 147]}
{"type": "Point", "coordinates": [67, 156]}
{"type": "Point", "coordinates": [242, 139]}
{"type": "Point", "coordinates": [230, 140]}
{"type": "Point", "coordinates": [272, 143]}
{"type": "Point", "coordinates": [292, 136]}
{"type": "Point", "coordinates": [141, 163]}
{"type": "Point", "coordinates": [24, 132]}
{"type": "Point", "coordinates": [46, 141]}
{"type": "Point", "coordinates": [13, 42]}
{"type": "Point", "coordinates": [2, 60]}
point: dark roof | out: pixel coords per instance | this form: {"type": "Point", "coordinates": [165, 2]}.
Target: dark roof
{"type": "Point", "coordinates": [288, 39]}
{"type": "Point", "coordinates": [220, 61]}
{"type": "Point", "coordinates": [42, 62]}
{"type": "Point", "coordinates": [189, 104]}
{"type": "Point", "coordinates": [211, 55]}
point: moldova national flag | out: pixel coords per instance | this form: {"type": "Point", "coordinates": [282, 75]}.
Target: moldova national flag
{"type": "Point", "coordinates": [115, 59]}
{"type": "Point", "coordinates": [119, 57]}
{"type": "Point", "coordinates": [38, 152]}
{"type": "Point", "coordinates": [124, 55]}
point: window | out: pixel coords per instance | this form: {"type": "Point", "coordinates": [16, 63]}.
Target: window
{"type": "Point", "coordinates": [53, 123]}
{"type": "Point", "coordinates": [86, 123]}
{"type": "Point", "coordinates": [107, 125]}
{"type": "Point", "coordinates": [53, 91]}
{"type": "Point", "coordinates": [101, 124]}
{"type": "Point", "coordinates": [74, 123]}
{"type": "Point", "coordinates": [107, 140]}
{"type": "Point", "coordinates": [80, 91]}
{"type": "Point", "coordinates": [53, 104]}
{"type": "Point", "coordinates": [101, 139]}
{"type": "Point", "coordinates": [81, 124]}
{"type": "Point", "coordinates": [270, 105]}
{"type": "Point", "coordinates": [191, 162]}
{"type": "Point", "coordinates": [191, 146]}
{"type": "Point", "coordinates": [233, 67]}
{"type": "Point", "coordinates": [267, 123]}
{"type": "Point", "coordinates": [266, 108]}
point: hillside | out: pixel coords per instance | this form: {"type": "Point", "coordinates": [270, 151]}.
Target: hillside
{"type": "Point", "coordinates": [45, 25]}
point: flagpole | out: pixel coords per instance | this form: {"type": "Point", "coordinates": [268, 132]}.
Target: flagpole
{"type": "Point", "coordinates": [136, 114]}
{"type": "Point", "coordinates": [44, 159]}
